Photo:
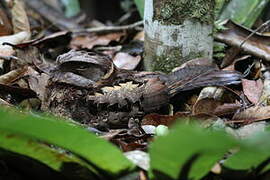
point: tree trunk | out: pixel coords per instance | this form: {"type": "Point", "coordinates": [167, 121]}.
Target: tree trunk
{"type": "Point", "coordinates": [177, 31]}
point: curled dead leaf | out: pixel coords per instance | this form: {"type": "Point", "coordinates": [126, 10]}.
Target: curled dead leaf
{"type": "Point", "coordinates": [235, 35]}
{"type": "Point", "coordinates": [126, 61]}
{"type": "Point", "coordinates": [19, 18]}
{"type": "Point", "coordinates": [252, 89]}
{"type": "Point", "coordinates": [89, 41]}
{"type": "Point", "coordinates": [13, 75]}
{"type": "Point", "coordinates": [252, 114]}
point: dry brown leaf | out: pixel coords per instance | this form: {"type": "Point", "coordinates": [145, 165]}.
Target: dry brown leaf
{"type": "Point", "coordinates": [252, 89]}
{"type": "Point", "coordinates": [37, 82]}
{"type": "Point", "coordinates": [206, 106]}
{"type": "Point", "coordinates": [167, 120]}
{"type": "Point", "coordinates": [214, 107]}
{"type": "Point", "coordinates": [226, 109]}
{"type": "Point", "coordinates": [6, 50]}
{"type": "Point", "coordinates": [61, 38]}
{"type": "Point", "coordinates": [196, 62]}
{"type": "Point", "coordinates": [235, 35]}
{"type": "Point", "coordinates": [91, 41]}
{"type": "Point", "coordinates": [5, 25]}
{"type": "Point", "coordinates": [19, 18]}
{"type": "Point", "coordinates": [139, 36]}
{"type": "Point", "coordinates": [12, 76]}
{"type": "Point", "coordinates": [126, 61]}
{"type": "Point", "coordinates": [256, 113]}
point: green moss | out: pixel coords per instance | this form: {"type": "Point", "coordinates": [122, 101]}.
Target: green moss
{"type": "Point", "coordinates": [176, 11]}
{"type": "Point", "coordinates": [219, 51]}
{"type": "Point", "coordinates": [165, 63]}
{"type": "Point", "coordinates": [193, 55]}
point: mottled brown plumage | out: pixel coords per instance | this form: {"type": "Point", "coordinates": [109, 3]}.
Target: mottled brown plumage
{"type": "Point", "coordinates": [89, 88]}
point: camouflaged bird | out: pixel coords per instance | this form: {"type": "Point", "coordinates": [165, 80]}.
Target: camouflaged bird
{"type": "Point", "coordinates": [88, 88]}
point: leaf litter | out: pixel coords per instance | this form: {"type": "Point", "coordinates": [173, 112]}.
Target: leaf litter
{"type": "Point", "coordinates": [74, 76]}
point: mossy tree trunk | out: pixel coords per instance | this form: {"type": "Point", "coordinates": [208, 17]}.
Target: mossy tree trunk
{"type": "Point", "coordinates": [177, 31]}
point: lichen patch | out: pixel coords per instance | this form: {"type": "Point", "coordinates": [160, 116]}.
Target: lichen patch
{"type": "Point", "coordinates": [175, 12]}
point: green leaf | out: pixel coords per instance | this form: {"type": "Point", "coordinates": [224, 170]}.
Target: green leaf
{"type": "Point", "coordinates": [140, 6]}
{"type": "Point", "coordinates": [244, 12]}
{"type": "Point", "coordinates": [52, 158]}
{"type": "Point", "coordinates": [252, 152]}
{"type": "Point", "coordinates": [72, 7]}
{"type": "Point", "coordinates": [220, 4]}
{"type": "Point", "coordinates": [68, 136]}
{"type": "Point", "coordinates": [188, 148]}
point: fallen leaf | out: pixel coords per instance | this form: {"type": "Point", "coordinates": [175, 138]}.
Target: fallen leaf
{"type": "Point", "coordinates": [12, 76]}
{"type": "Point", "coordinates": [90, 41]}
{"type": "Point", "coordinates": [18, 91]}
{"type": "Point", "coordinates": [17, 38]}
{"type": "Point", "coordinates": [19, 18]}
{"type": "Point", "coordinates": [235, 35]}
{"type": "Point", "coordinates": [230, 56]}
{"type": "Point", "coordinates": [139, 36]}
{"type": "Point", "coordinates": [140, 158]}
{"type": "Point", "coordinates": [126, 61]}
{"type": "Point", "coordinates": [37, 82]}
{"type": "Point", "coordinates": [226, 109]}
{"type": "Point", "coordinates": [256, 113]}
{"type": "Point", "coordinates": [134, 48]}
{"type": "Point", "coordinates": [53, 40]}
{"type": "Point", "coordinates": [167, 120]}
{"type": "Point", "coordinates": [5, 25]}
{"type": "Point", "coordinates": [206, 106]}
{"type": "Point", "coordinates": [196, 62]}
{"type": "Point", "coordinates": [111, 134]}
{"type": "Point", "coordinates": [252, 89]}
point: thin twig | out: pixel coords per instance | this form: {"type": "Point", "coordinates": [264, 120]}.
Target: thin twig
{"type": "Point", "coordinates": [110, 28]}
{"type": "Point", "coordinates": [110, 48]}
{"type": "Point", "coordinates": [254, 32]}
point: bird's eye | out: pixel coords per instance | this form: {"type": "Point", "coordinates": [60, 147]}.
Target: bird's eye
{"type": "Point", "coordinates": [82, 67]}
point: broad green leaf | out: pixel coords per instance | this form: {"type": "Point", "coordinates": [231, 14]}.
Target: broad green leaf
{"type": "Point", "coordinates": [252, 152]}
{"type": "Point", "coordinates": [72, 7]}
{"type": "Point", "coordinates": [68, 136]}
{"type": "Point", "coordinates": [55, 159]}
{"type": "Point", "coordinates": [170, 153]}
{"type": "Point", "coordinates": [244, 12]}
{"type": "Point", "coordinates": [220, 4]}
{"type": "Point", "coordinates": [140, 6]}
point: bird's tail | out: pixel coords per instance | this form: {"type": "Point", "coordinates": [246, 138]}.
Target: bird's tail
{"type": "Point", "coordinates": [192, 77]}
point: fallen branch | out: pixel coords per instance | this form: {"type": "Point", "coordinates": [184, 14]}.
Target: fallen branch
{"type": "Point", "coordinates": [110, 28]}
